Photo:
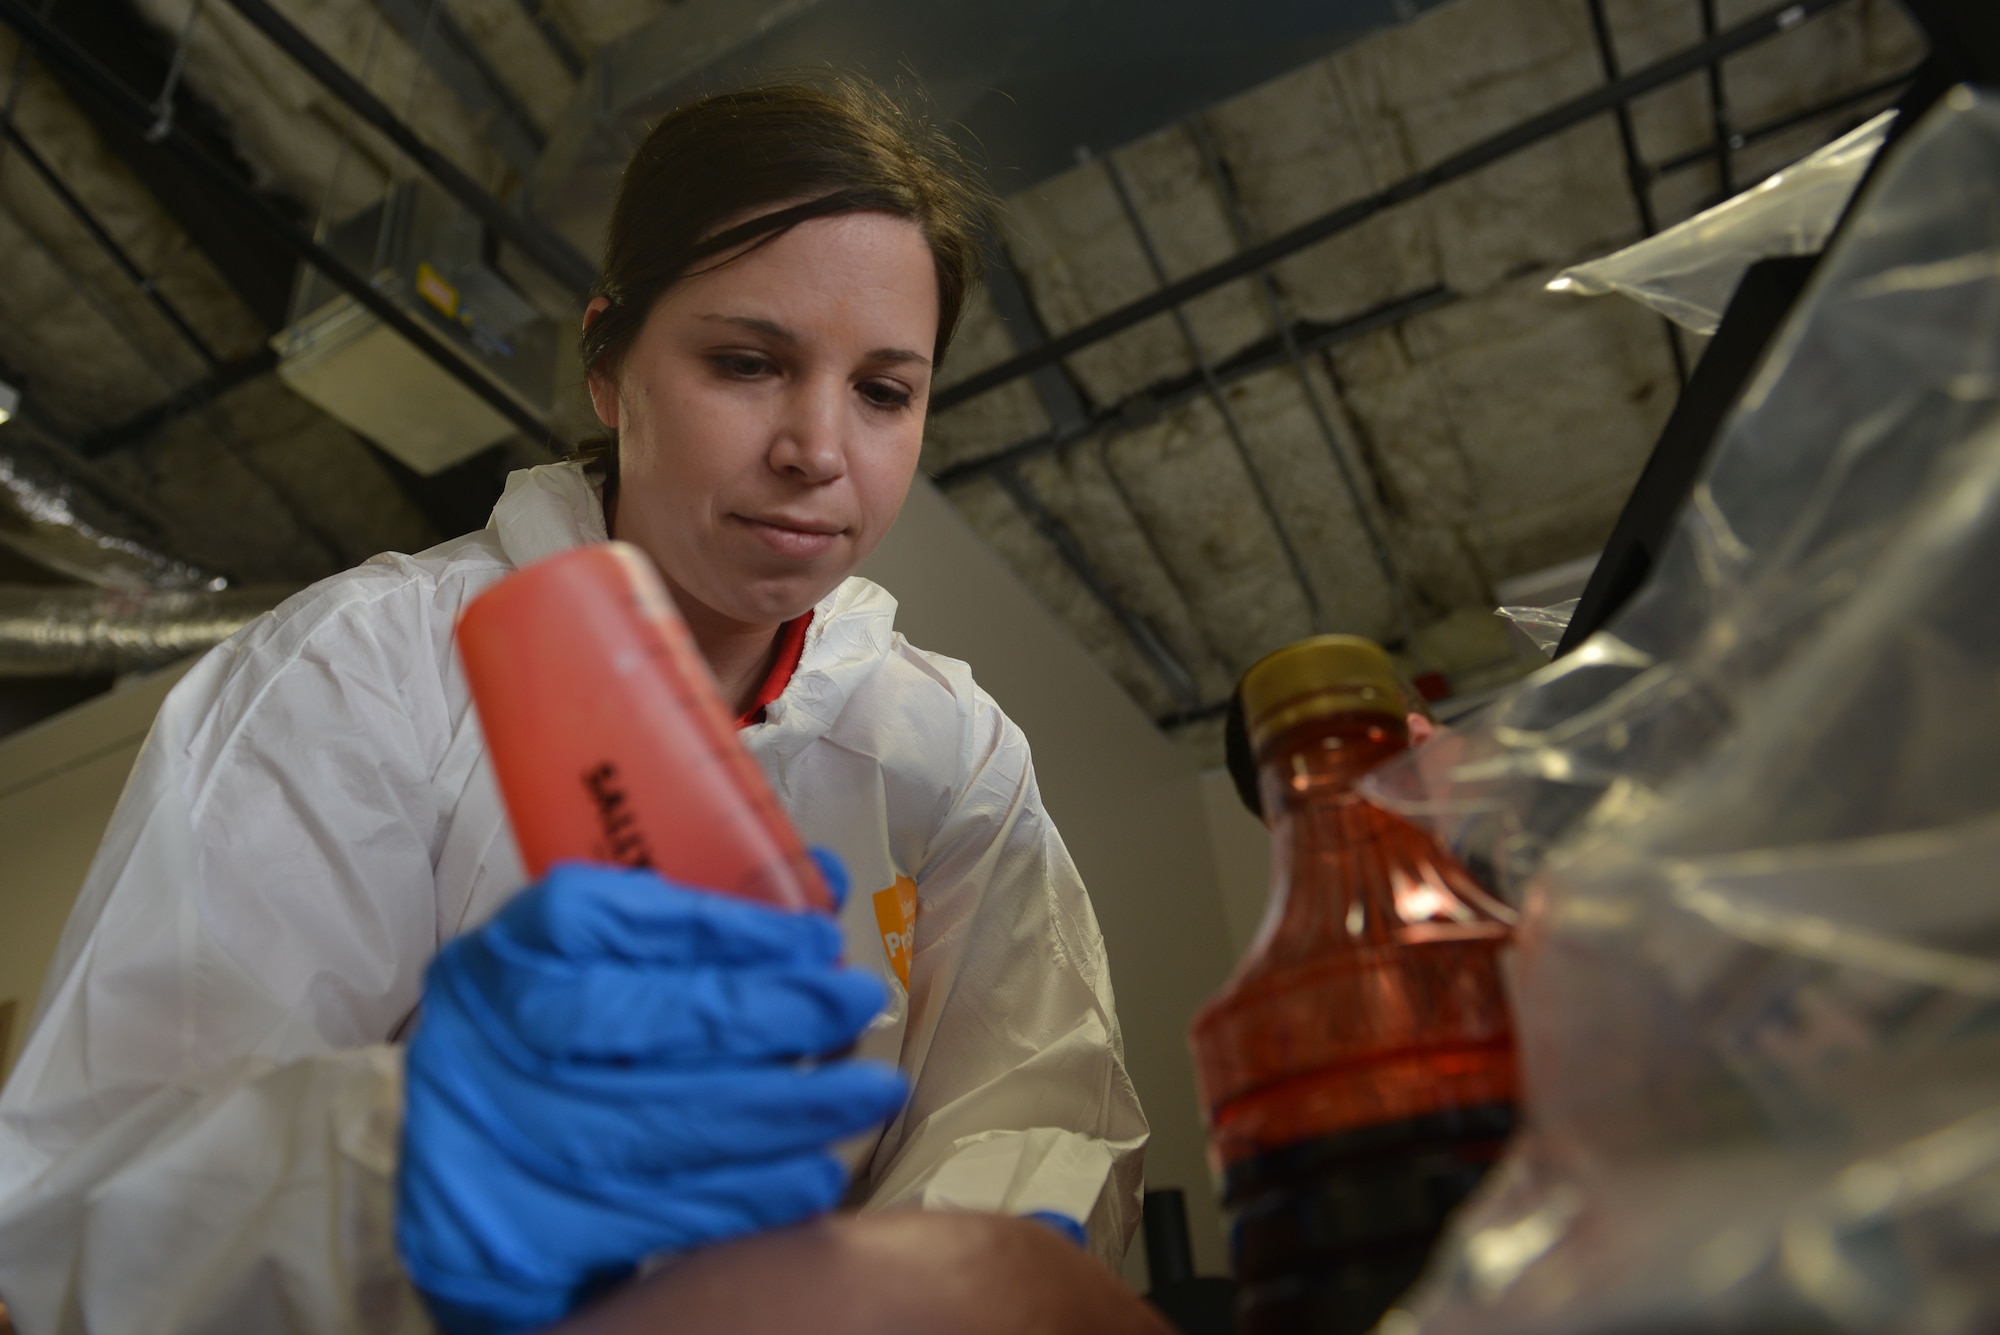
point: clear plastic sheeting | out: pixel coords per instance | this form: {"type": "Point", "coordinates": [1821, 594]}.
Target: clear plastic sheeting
{"type": "Point", "coordinates": [1544, 626]}
{"type": "Point", "coordinates": [1688, 272]}
{"type": "Point", "coordinates": [1755, 827]}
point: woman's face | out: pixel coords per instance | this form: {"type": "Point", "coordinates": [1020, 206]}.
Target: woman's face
{"type": "Point", "coordinates": [770, 413]}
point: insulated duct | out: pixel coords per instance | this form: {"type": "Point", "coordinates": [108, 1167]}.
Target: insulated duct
{"type": "Point", "coordinates": [64, 632]}
{"type": "Point", "coordinates": [56, 511]}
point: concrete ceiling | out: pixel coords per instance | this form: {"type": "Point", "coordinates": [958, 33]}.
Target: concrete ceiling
{"type": "Point", "coordinates": [1494, 430]}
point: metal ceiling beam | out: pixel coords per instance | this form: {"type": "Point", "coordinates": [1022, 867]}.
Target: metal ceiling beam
{"type": "Point", "coordinates": [1759, 133]}
{"type": "Point", "coordinates": [106, 242]}
{"type": "Point", "coordinates": [1557, 119]}
{"type": "Point", "coordinates": [547, 250]}
{"type": "Point", "coordinates": [1636, 174]}
{"type": "Point", "coordinates": [558, 41]}
{"type": "Point", "coordinates": [60, 52]}
{"type": "Point", "coordinates": [1145, 405]}
{"type": "Point", "coordinates": [1315, 615]}
{"type": "Point", "coordinates": [449, 52]}
{"type": "Point", "coordinates": [1155, 650]}
{"type": "Point", "coordinates": [107, 440]}
{"type": "Point", "coordinates": [1281, 325]}
{"type": "Point", "coordinates": [1726, 142]}
{"type": "Point", "coordinates": [1064, 406]}
{"type": "Point", "coordinates": [119, 40]}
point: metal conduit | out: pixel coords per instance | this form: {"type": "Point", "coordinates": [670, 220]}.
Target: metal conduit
{"type": "Point", "coordinates": [1158, 655]}
{"type": "Point", "coordinates": [1059, 398]}
{"type": "Point", "coordinates": [1316, 617]}
{"type": "Point", "coordinates": [1158, 553]}
{"type": "Point", "coordinates": [1567, 115]}
{"type": "Point", "coordinates": [1895, 83]}
{"type": "Point", "coordinates": [1145, 405]}
{"type": "Point", "coordinates": [1718, 107]}
{"type": "Point", "coordinates": [1281, 325]}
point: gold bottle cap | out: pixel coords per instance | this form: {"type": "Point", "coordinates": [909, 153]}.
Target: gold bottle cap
{"type": "Point", "coordinates": [1328, 674]}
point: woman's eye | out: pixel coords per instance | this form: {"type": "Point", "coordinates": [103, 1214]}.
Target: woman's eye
{"type": "Point", "coordinates": [742, 365]}
{"type": "Point", "coordinates": [885, 395]}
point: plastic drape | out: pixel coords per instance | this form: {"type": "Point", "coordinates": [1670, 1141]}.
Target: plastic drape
{"type": "Point", "coordinates": [1544, 626]}
{"type": "Point", "coordinates": [1688, 272]}
{"type": "Point", "coordinates": [1755, 825]}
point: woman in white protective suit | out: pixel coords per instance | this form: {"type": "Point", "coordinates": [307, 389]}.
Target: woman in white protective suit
{"type": "Point", "coordinates": [215, 1124]}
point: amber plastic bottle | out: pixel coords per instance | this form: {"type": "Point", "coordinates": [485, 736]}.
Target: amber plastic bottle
{"type": "Point", "coordinates": [1358, 1070]}
{"type": "Point", "coordinates": [609, 738]}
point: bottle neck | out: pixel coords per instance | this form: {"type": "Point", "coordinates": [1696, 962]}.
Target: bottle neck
{"type": "Point", "coordinates": [1321, 759]}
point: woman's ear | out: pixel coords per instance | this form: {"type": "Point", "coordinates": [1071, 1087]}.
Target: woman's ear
{"type": "Point", "coordinates": [603, 388]}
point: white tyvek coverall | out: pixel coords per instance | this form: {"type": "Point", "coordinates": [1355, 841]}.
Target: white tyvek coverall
{"type": "Point", "coordinates": [201, 1131]}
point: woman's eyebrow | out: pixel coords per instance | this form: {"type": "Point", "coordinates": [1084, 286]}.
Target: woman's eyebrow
{"type": "Point", "coordinates": [772, 329]}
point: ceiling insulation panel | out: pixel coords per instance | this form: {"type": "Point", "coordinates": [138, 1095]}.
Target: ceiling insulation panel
{"type": "Point", "coordinates": [1082, 489]}
{"type": "Point", "coordinates": [1002, 524]}
{"type": "Point", "coordinates": [992, 421]}
{"type": "Point", "coordinates": [262, 484]}
{"type": "Point", "coordinates": [75, 327]}
{"type": "Point", "coordinates": [299, 139]}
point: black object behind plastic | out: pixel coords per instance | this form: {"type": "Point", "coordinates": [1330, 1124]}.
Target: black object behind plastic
{"type": "Point", "coordinates": [1194, 1305]}
{"type": "Point", "coordinates": [1762, 301]}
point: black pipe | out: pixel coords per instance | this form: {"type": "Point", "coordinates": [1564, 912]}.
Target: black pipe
{"type": "Point", "coordinates": [558, 41]}
{"type": "Point", "coordinates": [59, 52]}
{"type": "Point", "coordinates": [209, 388]}
{"type": "Point", "coordinates": [1483, 154]}
{"type": "Point", "coordinates": [1146, 404]}
{"type": "Point", "coordinates": [1636, 175]}
{"type": "Point", "coordinates": [108, 243]}
{"type": "Point", "coordinates": [1695, 157]}
{"type": "Point", "coordinates": [546, 250]}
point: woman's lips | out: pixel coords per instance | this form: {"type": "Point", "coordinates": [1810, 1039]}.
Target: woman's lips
{"type": "Point", "coordinates": [799, 539]}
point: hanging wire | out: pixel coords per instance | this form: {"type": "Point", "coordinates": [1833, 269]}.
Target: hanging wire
{"type": "Point", "coordinates": [332, 191]}
{"type": "Point", "coordinates": [163, 105]}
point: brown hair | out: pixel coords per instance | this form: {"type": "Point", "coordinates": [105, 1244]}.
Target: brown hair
{"type": "Point", "coordinates": [840, 146]}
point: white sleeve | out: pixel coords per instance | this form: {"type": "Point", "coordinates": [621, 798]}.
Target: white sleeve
{"type": "Point", "coordinates": [201, 1131]}
{"type": "Point", "coordinates": [1021, 1102]}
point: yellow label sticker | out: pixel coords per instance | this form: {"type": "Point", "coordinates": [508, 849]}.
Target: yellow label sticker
{"type": "Point", "coordinates": [432, 287]}
{"type": "Point", "coordinates": [896, 915]}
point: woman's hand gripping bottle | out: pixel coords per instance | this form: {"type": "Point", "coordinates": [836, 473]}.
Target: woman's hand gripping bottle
{"type": "Point", "coordinates": [609, 738]}
{"type": "Point", "coordinates": [1358, 1070]}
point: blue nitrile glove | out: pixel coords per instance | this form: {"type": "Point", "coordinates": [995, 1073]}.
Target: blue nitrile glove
{"type": "Point", "coordinates": [610, 1069]}
{"type": "Point", "coordinates": [1062, 1224]}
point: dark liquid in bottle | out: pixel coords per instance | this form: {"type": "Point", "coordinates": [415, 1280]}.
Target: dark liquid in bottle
{"type": "Point", "coordinates": [1359, 1070]}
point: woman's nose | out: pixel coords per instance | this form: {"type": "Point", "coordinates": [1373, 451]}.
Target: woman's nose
{"type": "Point", "coordinates": [810, 442]}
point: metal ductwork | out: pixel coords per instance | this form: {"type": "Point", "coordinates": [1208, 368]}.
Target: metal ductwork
{"type": "Point", "coordinates": [144, 609]}
{"type": "Point", "coordinates": [59, 632]}
{"type": "Point", "coordinates": [56, 511]}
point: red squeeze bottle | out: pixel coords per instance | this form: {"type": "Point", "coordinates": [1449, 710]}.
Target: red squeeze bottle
{"type": "Point", "coordinates": [609, 738]}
